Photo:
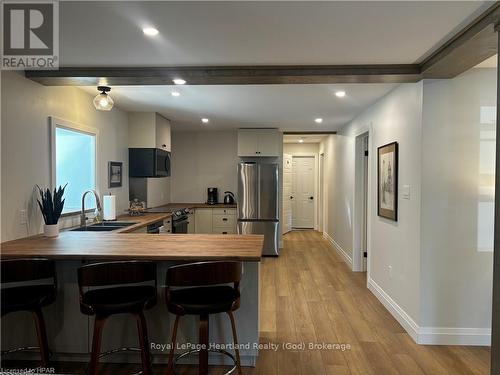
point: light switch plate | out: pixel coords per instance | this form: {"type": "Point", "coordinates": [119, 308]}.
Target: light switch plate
{"type": "Point", "coordinates": [23, 216]}
{"type": "Point", "coordinates": [406, 192]}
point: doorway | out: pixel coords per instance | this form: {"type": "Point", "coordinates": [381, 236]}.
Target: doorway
{"type": "Point", "coordinates": [303, 191]}
{"type": "Point", "coordinates": [361, 203]}
{"type": "Point", "coordinates": [321, 193]}
{"type": "Point", "coordinates": [287, 193]}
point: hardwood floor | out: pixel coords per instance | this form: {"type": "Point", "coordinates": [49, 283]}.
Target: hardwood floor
{"type": "Point", "coordinates": [309, 294]}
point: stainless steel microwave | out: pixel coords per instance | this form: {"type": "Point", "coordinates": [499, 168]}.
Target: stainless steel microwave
{"type": "Point", "coordinates": [148, 162]}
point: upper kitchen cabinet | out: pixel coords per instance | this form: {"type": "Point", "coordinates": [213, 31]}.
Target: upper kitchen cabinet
{"type": "Point", "coordinates": [259, 142]}
{"type": "Point", "coordinates": [148, 130]}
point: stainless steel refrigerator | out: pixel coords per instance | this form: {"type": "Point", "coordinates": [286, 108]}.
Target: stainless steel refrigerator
{"type": "Point", "coordinates": [258, 203]}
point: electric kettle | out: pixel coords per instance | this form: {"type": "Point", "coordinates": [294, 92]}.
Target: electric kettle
{"type": "Point", "coordinates": [228, 198]}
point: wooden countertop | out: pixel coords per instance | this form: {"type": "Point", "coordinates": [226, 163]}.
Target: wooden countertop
{"type": "Point", "coordinates": [97, 245]}
{"type": "Point", "coordinates": [140, 221]}
{"type": "Point", "coordinates": [197, 205]}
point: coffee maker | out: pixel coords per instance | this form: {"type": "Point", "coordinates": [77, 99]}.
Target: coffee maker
{"type": "Point", "coordinates": [212, 195]}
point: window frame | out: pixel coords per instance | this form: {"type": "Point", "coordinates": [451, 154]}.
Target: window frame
{"type": "Point", "coordinates": [56, 122]}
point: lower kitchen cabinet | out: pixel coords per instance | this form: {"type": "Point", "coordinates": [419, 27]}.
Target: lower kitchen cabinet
{"type": "Point", "coordinates": [215, 220]}
{"type": "Point", "coordinates": [203, 220]}
{"type": "Point", "coordinates": [191, 222]}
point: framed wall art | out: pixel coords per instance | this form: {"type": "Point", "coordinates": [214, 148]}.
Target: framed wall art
{"type": "Point", "coordinates": [387, 181]}
{"type": "Point", "coordinates": [115, 174]}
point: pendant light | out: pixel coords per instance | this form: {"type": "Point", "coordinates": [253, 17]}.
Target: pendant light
{"type": "Point", "coordinates": [103, 102]}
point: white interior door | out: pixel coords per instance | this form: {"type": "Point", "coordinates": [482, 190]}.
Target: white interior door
{"type": "Point", "coordinates": [287, 193]}
{"type": "Point", "coordinates": [365, 204]}
{"type": "Point", "coordinates": [303, 175]}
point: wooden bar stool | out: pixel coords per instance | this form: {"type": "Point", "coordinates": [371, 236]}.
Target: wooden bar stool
{"type": "Point", "coordinates": [113, 297]}
{"type": "Point", "coordinates": [199, 291]}
{"type": "Point", "coordinates": [29, 297]}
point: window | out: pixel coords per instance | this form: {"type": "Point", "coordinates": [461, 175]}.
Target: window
{"type": "Point", "coordinates": [74, 162]}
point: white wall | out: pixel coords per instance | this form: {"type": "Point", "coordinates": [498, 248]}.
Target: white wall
{"type": "Point", "coordinates": [440, 289]}
{"type": "Point", "coordinates": [457, 275]}
{"type": "Point", "coordinates": [25, 162]}
{"type": "Point", "coordinates": [396, 117]}
{"type": "Point", "coordinates": [300, 148]}
{"type": "Point", "coordinates": [201, 160]}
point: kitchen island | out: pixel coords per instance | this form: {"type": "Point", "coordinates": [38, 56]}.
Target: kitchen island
{"type": "Point", "coordinates": [70, 332]}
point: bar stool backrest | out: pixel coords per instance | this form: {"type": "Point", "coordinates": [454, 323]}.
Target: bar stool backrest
{"type": "Point", "coordinates": [116, 273]}
{"type": "Point", "coordinates": [204, 274]}
{"type": "Point", "coordinates": [29, 269]}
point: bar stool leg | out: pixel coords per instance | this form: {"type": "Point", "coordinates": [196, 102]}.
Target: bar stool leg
{"type": "Point", "coordinates": [235, 340]}
{"type": "Point", "coordinates": [96, 344]}
{"type": "Point", "coordinates": [144, 344]}
{"type": "Point", "coordinates": [203, 340]}
{"type": "Point", "coordinates": [42, 336]}
{"type": "Point", "coordinates": [170, 366]}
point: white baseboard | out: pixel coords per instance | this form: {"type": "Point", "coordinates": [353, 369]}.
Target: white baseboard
{"type": "Point", "coordinates": [431, 335]}
{"type": "Point", "coordinates": [454, 336]}
{"type": "Point", "coordinates": [339, 249]}
{"type": "Point", "coordinates": [396, 311]}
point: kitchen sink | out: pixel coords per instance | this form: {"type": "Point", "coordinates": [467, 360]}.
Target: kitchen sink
{"type": "Point", "coordinates": [104, 227]}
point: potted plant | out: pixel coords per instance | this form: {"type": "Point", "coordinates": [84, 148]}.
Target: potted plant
{"type": "Point", "coordinates": [51, 206]}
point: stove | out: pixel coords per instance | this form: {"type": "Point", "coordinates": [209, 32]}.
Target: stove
{"type": "Point", "coordinates": [179, 217]}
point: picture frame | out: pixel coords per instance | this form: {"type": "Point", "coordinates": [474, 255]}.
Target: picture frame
{"type": "Point", "coordinates": [387, 180]}
{"type": "Point", "coordinates": [115, 174]}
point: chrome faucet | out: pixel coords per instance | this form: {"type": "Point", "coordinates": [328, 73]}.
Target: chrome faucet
{"type": "Point", "coordinates": [98, 217]}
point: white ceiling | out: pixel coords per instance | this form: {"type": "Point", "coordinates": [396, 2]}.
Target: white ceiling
{"type": "Point", "coordinates": [306, 138]}
{"type": "Point", "coordinates": [108, 33]}
{"type": "Point", "coordinates": [288, 107]}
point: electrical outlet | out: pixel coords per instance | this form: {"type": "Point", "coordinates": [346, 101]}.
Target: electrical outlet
{"type": "Point", "coordinates": [389, 270]}
{"type": "Point", "coordinates": [23, 216]}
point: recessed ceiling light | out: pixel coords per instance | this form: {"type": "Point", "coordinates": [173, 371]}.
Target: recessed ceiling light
{"type": "Point", "coordinates": [301, 140]}
{"type": "Point", "coordinates": [178, 81]}
{"type": "Point", "coordinates": [318, 120]}
{"type": "Point", "coordinates": [175, 93]}
{"type": "Point", "coordinates": [205, 120]}
{"type": "Point", "coordinates": [150, 31]}
{"type": "Point", "coordinates": [340, 94]}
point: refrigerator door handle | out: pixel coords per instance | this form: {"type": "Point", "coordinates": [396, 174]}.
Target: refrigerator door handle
{"type": "Point", "coordinates": [257, 186]}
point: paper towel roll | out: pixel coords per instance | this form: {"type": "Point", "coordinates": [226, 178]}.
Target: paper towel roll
{"type": "Point", "coordinates": [109, 202]}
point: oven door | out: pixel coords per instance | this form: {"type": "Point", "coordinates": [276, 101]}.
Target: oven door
{"type": "Point", "coordinates": [180, 225]}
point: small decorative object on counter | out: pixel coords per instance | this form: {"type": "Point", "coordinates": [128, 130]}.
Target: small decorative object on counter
{"type": "Point", "coordinates": [136, 207]}
{"type": "Point", "coordinates": [51, 206]}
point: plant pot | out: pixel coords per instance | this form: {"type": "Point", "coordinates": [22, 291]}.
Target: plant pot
{"type": "Point", "coordinates": [51, 230]}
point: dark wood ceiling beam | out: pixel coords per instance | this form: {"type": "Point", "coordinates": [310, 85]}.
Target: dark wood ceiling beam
{"type": "Point", "coordinates": [471, 46]}
{"type": "Point", "coordinates": [309, 133]}
{"type": "Point", "coordinates": [228, 75]}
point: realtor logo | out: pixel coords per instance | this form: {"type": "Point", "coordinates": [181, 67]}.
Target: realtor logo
{"type": "Point", "coordinates": [30, 35]}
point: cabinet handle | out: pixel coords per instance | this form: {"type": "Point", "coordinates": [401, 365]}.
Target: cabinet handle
{"type": "Point", "coordinates": [224, 219]}
{"type": "Point", "coordinates": [224, 232]}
